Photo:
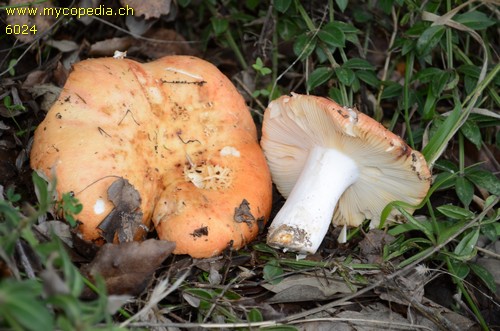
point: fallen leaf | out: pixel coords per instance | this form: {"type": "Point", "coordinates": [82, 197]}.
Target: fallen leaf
{"type": "Point", "coordinates": [150, 9]}
{"type": "Point", "coordinates": [41, 22]}
{"type": "Point", "coordinates": [127, 267]}
{"type": "Point", "coordinates": [58, 228]}
{"type": "Point", "coordinates": [404, 289]}
{"type": "Point", "coordinates": [243, 214]}
{"type": "Point", "coordinates": [372, 318]}
{"type": "Point", "coordinates": [161, 42]}
{"type": "Point", "coordinates": [108, 47]}
{"type": "Point", "coordinates": [124, 222]}
{"type": "Point", "coordinates": [53, 284]}
{"type": "Point", "coordinates": [115, 302]}
{"type": "Point", "coordinates": [35, 78]}
{"type": "Point", "coordinates": [372, 245]}
{"type": "Point", "coordinates": [64, 46]}
{"type": "Point", "coordinates": [298, 288]}
{"type": "Point", "coordinates": [138, 25]}
{"type": "Point", "coordinates": [48, 92]}
{"type": "Point", "coordinates": [453, 320]}
{"type": "Point", "coordinates": [3, 127]}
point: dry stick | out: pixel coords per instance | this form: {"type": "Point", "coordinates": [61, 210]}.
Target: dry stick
{"type": "Point", "coordinates": [491, 157]}
{"type": "Point", "coordinates": [136, 36]}
{"type": "Point", "coordinates": [274, 323]}
{"type": "Point", "coordinates": [32, 43]}
{"type": "Point", "coordinates": [24, 260]}
{"type": "Point", "coordinates": [159, 293]}
{"type": "Point", "coordinates": [439, 320]}
{"type": "Point", "coordinates": [298, 318]}
{"type": "Point", "coordinates": [295, 61]}
{"type": "Point", "coordinates": [378, 109]}
{"type": "Point", "coordinates": [488, 252]}
{"type": "Point", "coordinates": [247, 90]}
{"type": "Point", "coordinates": [390, 277]}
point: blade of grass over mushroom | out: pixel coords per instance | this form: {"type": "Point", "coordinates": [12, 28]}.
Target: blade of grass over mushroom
{"type": "Point", "coordinates": [387, 209]}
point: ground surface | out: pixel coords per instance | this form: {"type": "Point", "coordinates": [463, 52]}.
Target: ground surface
{"type": "Point", "coordinates": [361, 285]}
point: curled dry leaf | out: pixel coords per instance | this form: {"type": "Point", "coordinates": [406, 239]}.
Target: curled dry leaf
{"type": "Point", "coordinates": [128, 267]}
{"type": "Point", "coordinates": [124, 222]}
{"type": "Point", "coordinates": [150, 9]}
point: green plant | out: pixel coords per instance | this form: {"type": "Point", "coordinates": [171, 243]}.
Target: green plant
{"type": "Point", "coordinates": [49, 299]}
{"type": "Point", "coordinates": [69, 206]}
{"type": "Point", "coordinates": [13, 110]}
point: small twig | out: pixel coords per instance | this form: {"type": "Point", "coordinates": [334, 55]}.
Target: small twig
{"type": "Point", "coordinates": [357, 321]}
{"type": "Point", "coordinates": [379, 114]}
{"type": "Point", "coordinates": [24, 260]}
{"type": "Point", "coordinates": [247, 90]}
{"type": "Point", "coordinates": [96, 181]}
{"type": "Point", "coordinates": [35, 41]}
{"type": "Point", "coordinates": [158, 41]}
{"type": "Point", "coordinates": [161, 291]}
{"type": "Point", "coordinates": [488, 252]}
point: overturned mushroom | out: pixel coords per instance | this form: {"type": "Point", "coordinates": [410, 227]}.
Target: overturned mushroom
{"type": "Point", "coordinates": [332, 161]}
{"type": "Point", "coordinates": [178, 136]}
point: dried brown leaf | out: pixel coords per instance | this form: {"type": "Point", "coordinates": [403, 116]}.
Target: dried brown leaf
{"type": "Point", "coordinates": [243, 214]}
{"type": "Point", "coordinates": [161, 42]}
{"type": "Point", "coordinates": [127, 268]}
{"type": "Point", "coordinates": [58, 228]}
{"type": "Point", "coordinates": [448, 319]}
{"type": "Point", "coordinates": [298, 288]}
{"type": "Point", "coordinates": [3, 127]}
{"type": "Point", "coordinates": [41, 22]}
{"type": "Point", "coordinates": [36, 77]}
{"type": "Point", "coordinates": [48, 92]}
{"type": "Point", "coordinates": [150, 9]}
{"type": "Point", "coordinates": [405, 289]}
{"type": "Point", "coordinates": [108, 47]}
{"type": "Point", "coordinates": [64, 46]}
{"type": "Point", "coordinates": [374, 317]}
{"type": "Point", "coordinates": [125, 220]}
{"type": "Point", "coordinates": [372, 245]}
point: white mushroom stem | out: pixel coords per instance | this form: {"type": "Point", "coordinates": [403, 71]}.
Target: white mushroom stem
{"type": "Point", "coordinates": [303, 221]}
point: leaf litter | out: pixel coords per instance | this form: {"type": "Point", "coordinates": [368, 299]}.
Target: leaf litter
{"type": "Point", "coordinates": [128, 267]}
{"type": "Point", "coordinates": [124, 222]}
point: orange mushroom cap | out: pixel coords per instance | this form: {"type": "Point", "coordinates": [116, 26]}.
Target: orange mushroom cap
{"type": "Point", "coordinates": [178, 131]}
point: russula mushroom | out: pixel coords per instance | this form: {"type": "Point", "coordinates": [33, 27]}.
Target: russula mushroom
{"type": "Point", "coordinates": [181, 138]}
{"type": "Point", "coordinates": [334, 164]}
